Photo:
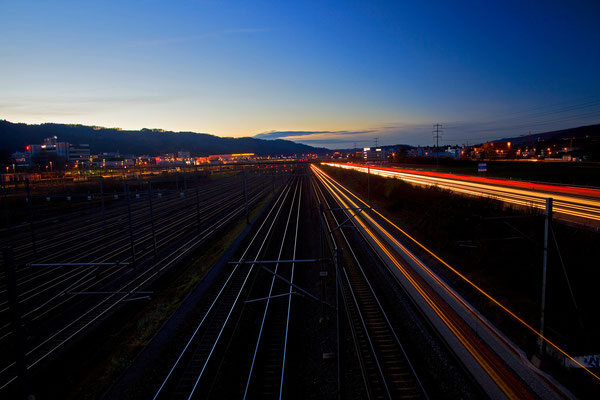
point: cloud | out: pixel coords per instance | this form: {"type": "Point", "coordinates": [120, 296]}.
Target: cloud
{"type": "Point", "coordinates": [271, 135]}
{"type": "Point", "coordinates": [390, 134]}
{"type": "Point", "coordinates": [181, 39]}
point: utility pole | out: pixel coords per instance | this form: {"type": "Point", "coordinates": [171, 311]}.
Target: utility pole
{"type": "Point", "coordinates": [246, 196]}
{"type": "Point", "coordinates": [130, 225]}
{"type": "Point", "coordinates": [437, 132]}
{"type": "Point", "coordinates": [544, 269]}
{"type": "Point", "coordinates": [197, 204]}
{"type": "Point", "coordinates": [152, 216]}
{"type": "Point", "coordinates": [338, 264]}
{"type": "Point", "coordinates": [102, 203]}
{"type": "Point", "coordinates": [6, 214]}
{"type": "Point", "coordinates": [17, 326]}
{"type": "Point", "coordinates": [322, 247]}
{"type": "Point", "coordinates": [369, 185]}
{"type": "Point", "coordinates": [310, 191]}
{"type": "Point", "coordinates": [30, 214]}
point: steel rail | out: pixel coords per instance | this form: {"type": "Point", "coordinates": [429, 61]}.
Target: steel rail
{"type": "Point", "coordinates": [268, 299]}
{"type": "Point", "coordinates": [115, 213]}
{"type": "Point", "coordinates": [105, 256]}
{"type": "Point", "coordinates": [331, 242]}
{"type": "Point", "coordinates": [143, 236]}
{"type": "Point", "coordinates": [105, 244]}
{"type": "Point", "coordinates": [161, 241]}
{"type": "Point", "coordinates": [163, 208]}
{"type": "Point", "coordinates": [380, 306]}
{"type": "Point", "coordinates": [116, 270]}
{"type": "Point", "coordinates": [501, 374]}
{"type": "Point", "coordinates": [141, 280]}
{"type": "Point", "coordinates": [167, 212]}
{"type": "Point", "coordinates": [287, 322]}
{"type": "Point", "coordinates": [235, 269]}
{"type": "Point", "coordinates": [250, 270]}
{"type": "Point", "coordinates": [457, 297]}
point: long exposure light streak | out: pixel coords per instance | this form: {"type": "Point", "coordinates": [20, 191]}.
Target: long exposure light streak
{"type": "Point", "coordinates": [339, 191]}
{"type": "Point", "coordinates": [572, 201]}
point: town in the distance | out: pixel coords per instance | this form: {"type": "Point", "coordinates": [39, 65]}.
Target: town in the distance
{"type": "Point", "coordinates": [55, 156]}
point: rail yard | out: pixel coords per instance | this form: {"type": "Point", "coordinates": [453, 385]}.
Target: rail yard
{"type": "Point", "coordinates": [318, 296]}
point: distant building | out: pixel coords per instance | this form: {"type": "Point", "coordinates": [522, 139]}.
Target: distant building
{"type": "Point", "coordinates": [113, 160]}
{"type": "Point", "coordinates": [454, 152]}
{"type": "Point", "coordinates": [51, 148]}
{"type": "Point", "coordinates": [116, 162]}
{"type": "Point", "coordinates": [79, 153]}
{"type": "Point", "coordinates": [51, 141]}
{"type": "Point", "coordinates": [416, 152]}
{"type": "Point", "coordinates": [373, 154]}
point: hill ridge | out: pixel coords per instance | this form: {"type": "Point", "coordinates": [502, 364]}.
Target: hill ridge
{"type": "Point", "coordinates": [15, 136]}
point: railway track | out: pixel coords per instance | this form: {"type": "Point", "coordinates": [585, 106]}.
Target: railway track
{"type": "Point", "coordinates": [237, 348]}
{"type": "Point", "coordinates": [122, 284]}
{"type": "Point", "coordinates": [63, 231]}
{"type": "Point", "coordinates": [386, 370]}
{"type": "Point", "coordinates": [52, 281]}
{"type": "Point", "coordinates": [494, 363]}
{"type": "Point", "coordinates": [239, 339]}
{"type": "Point", "coordinates": [267, 371]}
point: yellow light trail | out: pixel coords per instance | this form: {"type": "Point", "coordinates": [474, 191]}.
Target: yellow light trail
{"type": "Point", "coordinates": [574, 205]}
{"type": "Point", "coordinates": [455, 271]}
{"type": "Point", "coordinates": [488, 368]}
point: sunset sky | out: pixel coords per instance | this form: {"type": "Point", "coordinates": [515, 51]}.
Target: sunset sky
{"type": "Point", "coordinates": [327, 73]}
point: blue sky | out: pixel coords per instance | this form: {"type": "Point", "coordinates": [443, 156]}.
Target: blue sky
{"type": "Point", "coordinates": [330, 73]}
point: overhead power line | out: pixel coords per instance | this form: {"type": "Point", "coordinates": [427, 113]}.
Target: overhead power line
{"type": "Point", "coordinates": [437, 133]}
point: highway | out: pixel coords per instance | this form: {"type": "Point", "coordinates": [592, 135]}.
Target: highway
{"type": "Point", "coordinates": [500, 368]}
{"type": "Point", "coordinates": [582, 204]}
